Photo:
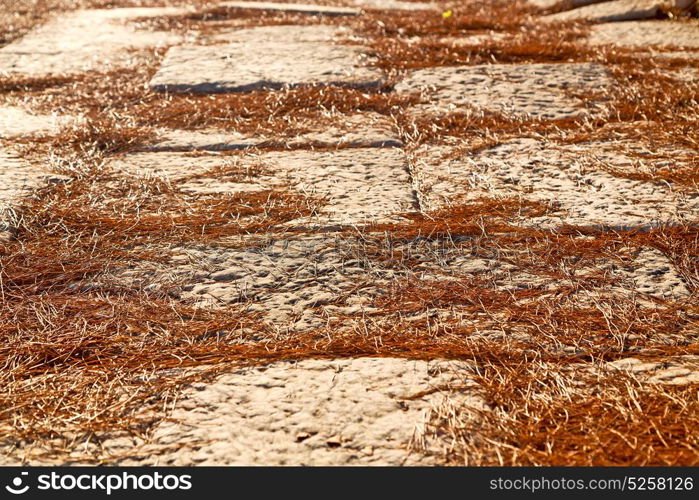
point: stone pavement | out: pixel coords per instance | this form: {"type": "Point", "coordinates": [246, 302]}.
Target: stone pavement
{"type": "Point", "coordinates": [366, 172]}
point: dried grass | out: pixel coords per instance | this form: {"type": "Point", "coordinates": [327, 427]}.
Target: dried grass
{"type": "Point", "coordinates": [87, 355]}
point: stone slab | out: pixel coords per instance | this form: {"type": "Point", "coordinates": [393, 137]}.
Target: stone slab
{"type": "Point", "coordinates": [360, 130]}
{"type": "Point", "coordinates": [570, 4]}
{"type": "Point", "coordinates": [573, 177]}
{"type": "Point", "coordinates": [16, 121]}
{"type": "Point", "coordinates": [84, 40]}
{"type": "Point", "coordinates": [647, 33]}
{"type": "Point", "coordinates": [359, 184]}
{"type": "Point", "coordinates": [614, 11]}
{"type": "Point", "coordinates": [535, 90]}
{"type": "Point", "coordinates": [17, 180]}
{"type": "Point", "coordinates": [294, 282]}
{"type": "Point", "coordinates": [261, 62]}
{"type": "Point", "coordinates": [314, 412]}
{"type": "Point", "coordinates": [322, 10]}
{"type": "Point", "coordinates": [393, 5]}
{"type": "Point", "coordinates": [284, 33]}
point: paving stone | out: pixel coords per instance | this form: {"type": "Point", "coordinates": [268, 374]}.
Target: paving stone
{"type": "Point", "coordinates": [536, 90]}
{"type": "Point", "coordinates": [647, 33]}
{"type": "Point", "coordinates": [653, 274]}
{"type": "Point", "coordinates": [15, 121]}
{"type": "Point", "coordinates": [681, 370]}
{"type": "Point", "coordinates": [84, 40]}
{"type": "Point", "coordinates": [617, 10]}
{"type": "Point", "coordinates": [359, 184]}
{"type": "Point", "coordinates": [393, 5]}
{"type": "Point", "coordinates": [294, 282]}
{"type": "Point", "coordinates": [360, 130]}
{"type": "Point", "coordinates": [323, 10]}
{"type": "Point", "coordinates": [287, 34]}
{"type": "Point", "coordinates": [314, 412]}
{"type": "Point", "coordinates": [17, 179]}
{"type": "Point", "coordinates": [277, 62]}
{"type": "Point", "coordinates": [571, 4]}
{"type": "Point", "coordinates": [571, 176]}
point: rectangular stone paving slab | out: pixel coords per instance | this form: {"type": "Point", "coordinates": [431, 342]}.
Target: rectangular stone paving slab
{"type": "Point", "coordinates": [536, 90]}
{"type": "Point", "coordinates": [617, 10]}
{"type": "Point", "coordinates": [17, 179]}
{"type": "Point", "coordinates": [324, 10]}
{"type": "Point", "coordinates": [263, 62]}
{"type": "Point", "coordinates": [359, 184]}
{"type": "Point", "coordinates": [362, 411]}
{"type": "Point", "coordinates": [393, 5]}
{"type": "Point", "coordinates": [15, 121]}
{"type": "Point", "coordinates": [82, 41]}
{"type": "Point", "coordinates": [647, 33]}
{"type": "Point", "coordinates": [572, 177]}
{"type": "Point", "coordinates": [359, 130]}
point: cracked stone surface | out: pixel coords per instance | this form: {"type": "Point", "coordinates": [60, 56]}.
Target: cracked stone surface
{"type": "Point", "coordinates": [617, 10]}
{"type": "Point", "coordinates": [18, 178]}
{"type": "Point", "coordinates": [278, 62]}
{"type": "Point", "coordinates": [359, 184]}
{"type": "Point", "coordinates": [16, 121]}
{"type": "Point", "coordinates": [393, 5]}
{"type": "Point", "coordinates": [315, 412]}
{"type": "Point", "coordinates": [546, 4]}
{"type": "Point", "coordinates": [647, 33]}
{"type": "Point", "coordinates": [104, 38]}
{"type": "Point", "coordinates": [680, 371]}
{"type": "Point", "coordinates": [566, 176]}
{"type": "Point", "coordinates": [297, 283]}
{"type": "Point", "coordinates": [306, 273]}
{"type": "Point", "coordinates": [358, 130]}
{"type": "Point", "coordinates": [324, 10]}
{"type": "Point", "coordinates": [537, 90]}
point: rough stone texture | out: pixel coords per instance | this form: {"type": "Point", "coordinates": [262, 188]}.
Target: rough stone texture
{"type": "Point", "coordinates": [679, 371]}
{"type": "Point", "coordinates": [359, 184]}
{"type": "Point", "coordinates": [276, 63]}
{"type": "Point", "coordinates": [571, 4]}
{"type": "Point", "coordinates": [617, 10]}
{"type": "Point", "coordinates": [296, 283]}
{"type": "Point", "coordinates": [309, 55]}
{"type": "Point", "coordinates": [340, 412]}
{"type": "Point", "coordinates": [537, 90]}
{"type": "Point", "coordinates": [647, 33]}
{"type": "Point", "coordinates": [16, 121]}
{"type": "Point", "coordinates": [277, 34]}
{"type": "Point", "coordinates": [323, 10]}
{"type": "Point", "coordinates": [359, 130]}
{"type": "Point", "coordinates": [653, 274]}
{"type": "Point", "coordinates": [17, 179]}
{"type": "Point", "coordinates": [393, 5]}
{"type": "Point", "coordinates": [84, 40]}
{"type": "Point", "coordinates": [571, 176]}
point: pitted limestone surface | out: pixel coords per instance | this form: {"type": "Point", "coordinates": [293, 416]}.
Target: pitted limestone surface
{"type": "Point", "coordinates": [280, 59]}
{"type": "Point", "coordinates": [358, 130]}
{"type": "Point", "coordinates": [646, 34]}
{"type": "Point", "coordinates": [322, 10]}
{"type": "Point", "coordinates": [358, 185]}
{"type": "Point", "coordinates": [537, 90]}
{"type": "Point", "coordinates": [572, 177]}
{"type": "Point", "coordinates": [84, 40]}
{"type": "Point", "coordinates": [616, 10]}
{"type": "Point", "coordinates": [314, 412]}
